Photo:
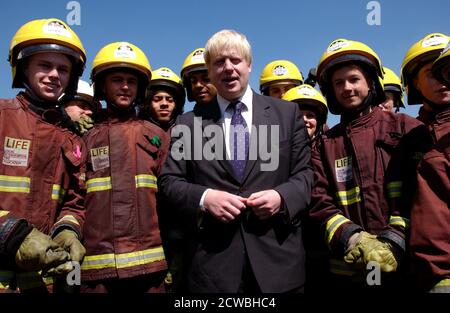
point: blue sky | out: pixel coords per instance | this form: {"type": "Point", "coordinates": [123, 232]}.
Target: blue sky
{"type": "Point", "coordinates": [295, 30]}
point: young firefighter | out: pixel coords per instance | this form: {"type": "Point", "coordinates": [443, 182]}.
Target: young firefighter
{"type": "Point", "coordinates": [278, 77]}
{"type": "Point", "coordinates": [360, 166]}
{"type": "Point", "coordinates": [125, 154]}
{"type": "Point", "coordinates": [194, 75]}
{"type": "Point", "coordinates": [313, 107]}
{"type": "Point", "coordinates": [41, 162]}
{"type": "Point", "coordinates": [164, 103]}
{"type": "Point", "coordinates": [430, 245]}
{"type": "Point", "coordinates": [393, 90]}
{"type": "Point", "coordinates": [421, 86]}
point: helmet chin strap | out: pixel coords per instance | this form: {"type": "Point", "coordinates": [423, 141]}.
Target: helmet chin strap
{"type": "Point", "coordinates": [38, 102]}
{"type": "Point", "coordinates": [363, 109]}
{"type": "Point", "coordinates": [437, 108]}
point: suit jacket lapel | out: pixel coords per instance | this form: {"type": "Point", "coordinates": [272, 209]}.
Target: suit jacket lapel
{"type": "Point", "coordinates": [260, 116]}
{"type": "Point", "coordinates": [212, 116]}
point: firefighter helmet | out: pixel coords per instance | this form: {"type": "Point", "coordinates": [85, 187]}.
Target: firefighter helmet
{"type": "Point", "coordinates": [118, 55]}
{"type": "Point", "coordinates": [309, 98]}
{"type": "Point", "coordinates": [280, 72]}
{"type": "Point", "coordinates": [423, 51]}
{"type": "Point", "coordinates": [46, 35]}
{"type": "Point", "coordinates": [441, 67]}
{"type": "Point", "coordinates": [392, 83]}
{"type": "Point", "coordinates": [194, 62]}
{"type": "Point", "coordinates": [166, 77]}
{"type": "Point", "coordinates": [343, 50]}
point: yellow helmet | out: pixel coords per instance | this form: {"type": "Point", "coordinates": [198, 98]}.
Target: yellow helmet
{"type": "Point", "coordinates": [344, 50]}
{"type": "Point", "coordinates": [195, 61]}
{"type": "Point", "coordinates": [392, 83]}
{"type": "Point", "coordinates": [279, 71]}
{"type": "Point", "coordinates": [423, 51]}
{"type": "Point", "coordinates": [46, 35]}
{"type": "Point", "coordinates": [441, 67]}
{"type": "Point", "coordinates": [165, 77]}
{"type": "Point", "coordinates": [309, 98]}
{"type": "Point", "coordinates": [119, 55]}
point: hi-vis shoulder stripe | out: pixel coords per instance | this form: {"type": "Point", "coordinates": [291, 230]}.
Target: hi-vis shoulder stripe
{"type": "Point", "coordinates": [104, 183]}
{"type": "Point", "coordinates": [123, 260]}
{"type": "Point", "coordinates": [145, 180]}
{"type": "Point", "coordinates": [394, 189]}
{"type": "Point", "coordinates": [333, 224]}
{"type": "Point", "coordinates": [3, 213]}
{"type": "Point", "coordinates": [68, 218]}
{"type": "Point", "coordinates": [398, 220]}
{"type": "Point", "coordinates": [348, 197]}
{"type": "Point", "coordinates": [14, 184]}
{"type": "Point", "coordinates": [98, 184]}
{"type": "Point", "coordinates": [58, 193]}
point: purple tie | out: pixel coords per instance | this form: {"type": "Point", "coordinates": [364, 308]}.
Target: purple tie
{"type": "Point", "coordinates": [239, 137]}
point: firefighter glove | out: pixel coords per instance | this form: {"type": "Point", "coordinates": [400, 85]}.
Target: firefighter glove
{"type": "Point", "coordinates": [84, 124]}
{"type": "Point", "coordinates": [68, 239]}
{"type": "Point", "coordinates": [353, 254]}
{"type": "Point", "coordinates": [385, 254]}
{"type": "Point", "coordinates": [371, 249]}
{"type": "Point", "coordinates": [38, 251]}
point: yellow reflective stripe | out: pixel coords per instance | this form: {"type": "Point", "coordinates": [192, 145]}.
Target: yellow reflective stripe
{"type": "Point", "coordinates": [92, 262]}
{"type": "Point", "coordinates": [348, 197]}
{"type": "Point", "coordinates": [333, 224]}
{"type": "Point", "coordinates": [123, 260]}
{"type": "Point", "coordinates": [3, 213]}
{"type": "Point", "coordinates": [14, 184]}
{"type": "Point", "coordinates": [443, 283]}
{"type": "Point", "coordinates": [140, 257]}
{"type": "Point", "coordinates": [398, 220]}
{"type": "Point", "coordinates": [341, 268]}
{"type": "Point", "coordinates": [99, 184]}
{"type": "Point", "coordinates": [145, 180]}
{"type": "Point", "coordinates": [5, 279]}
{"type": "Point", "coordinates": [68, 218]}
{"type": "Point", "coordinates": [58, 193]}
{"type": "Point", "coordinates": [394, 189]}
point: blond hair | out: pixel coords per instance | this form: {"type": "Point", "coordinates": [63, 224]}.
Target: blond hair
{"type": "Point", "coordinates": [225, 39]}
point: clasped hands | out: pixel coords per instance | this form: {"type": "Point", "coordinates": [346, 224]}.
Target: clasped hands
{"type": "Point", "coordinates": [225, 206]}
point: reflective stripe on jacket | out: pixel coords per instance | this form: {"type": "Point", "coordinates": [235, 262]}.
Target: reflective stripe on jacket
{"type": "Point", "coordinates": [360, 170]}
{"type": "Point", "coordinates": [122, 234]}
{"type": "Point", "coordinates": [430, 213]}
{"type": "Point", "coordinates": [40, 169]}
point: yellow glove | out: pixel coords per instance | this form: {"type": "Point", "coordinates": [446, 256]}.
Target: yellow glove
{"type": "Point", "coordinates": [39, 252]}
{"type": "Point", "coordinates": [68, 239]}
{"type": "Point", "coordinates": [369, 248]}
{"type": "Point", "coordinates": [385, 255]}
{"type": "Point", "coordinates": [84, 124]}
{"type": "Point", "coordinates": [353, 254]}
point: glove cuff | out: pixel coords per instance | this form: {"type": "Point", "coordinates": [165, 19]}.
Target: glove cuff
{"type": "Point", "coordinates": [12, 233]}
{"type": "Point", "coordinates": [348, 232]}
{"type": "Point", "coordinates": [393, 238]}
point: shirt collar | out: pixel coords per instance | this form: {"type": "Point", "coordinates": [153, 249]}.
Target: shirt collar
{"type": "Point", "coordinates": [247, 99]}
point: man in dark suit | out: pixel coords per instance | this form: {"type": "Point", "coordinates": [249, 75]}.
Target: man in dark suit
{"type": "Point", "coordinates": [248, 208]}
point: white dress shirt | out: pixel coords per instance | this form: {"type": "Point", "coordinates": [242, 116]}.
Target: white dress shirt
{"type": "Point", "coordinates": [247, 114]}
